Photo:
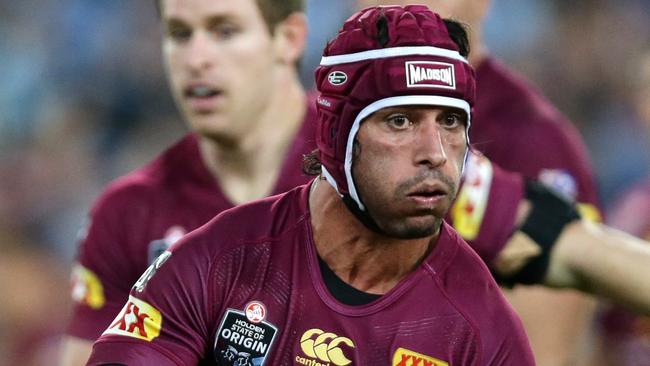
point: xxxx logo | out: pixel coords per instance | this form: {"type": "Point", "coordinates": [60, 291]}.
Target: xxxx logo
{"type": "Point", "coordinates": [468, 210]}
{"type": "Point", "coordinates": [404, 357]}
{"type": "Point", "coordinates": [318, 345]}
{"type": "Point", "coordinates": [138, 320]}
{"type": "Point", "coordinates": [87, 287]}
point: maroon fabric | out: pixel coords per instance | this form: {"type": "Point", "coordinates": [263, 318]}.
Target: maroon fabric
{"type": "Point", "coordinates": [372, 80]}
{"type": "Point", "coordinates": [506, 191]}
{"type": "Point", "coordinates": [519, 130]}
{"type": "Point", "coordinates": [449, 308]}
{"type": "Point", "coordinates": [136, 212]}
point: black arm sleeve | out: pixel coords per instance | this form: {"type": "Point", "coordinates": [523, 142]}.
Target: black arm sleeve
{"type": "Point", "coordinates": [549, 214]}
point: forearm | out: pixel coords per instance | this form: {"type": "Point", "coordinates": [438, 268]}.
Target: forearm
{"type": "Point", "coordinates": [602, 261]}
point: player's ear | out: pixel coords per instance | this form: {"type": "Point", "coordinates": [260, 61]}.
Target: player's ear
{"type": "Point", "coordinates": [290, 37]}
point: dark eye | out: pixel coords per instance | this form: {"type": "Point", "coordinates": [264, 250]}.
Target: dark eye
{"type": "Point", "coordinates": [225, 30]}
{"type": "Point", "coordinates": [179, 33]}
{"type": "Point", "coordinates": [452, 119]}
{"type": "Point", "coordinates": [399, 121]}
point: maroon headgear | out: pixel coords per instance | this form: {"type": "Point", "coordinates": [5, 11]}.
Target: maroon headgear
{"type": "Point", "coordinates": [383, 57]}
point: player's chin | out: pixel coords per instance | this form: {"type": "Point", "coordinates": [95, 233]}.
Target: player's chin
{"type": "Point", "coordinates": [412, 227]}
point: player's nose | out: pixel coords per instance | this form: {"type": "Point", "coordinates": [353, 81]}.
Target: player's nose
{"type": "Point", "coordinates": [198, 55]}
{"type": "Point", "coordinates": [429, 145]}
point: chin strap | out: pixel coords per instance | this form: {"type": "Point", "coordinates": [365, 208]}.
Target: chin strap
{"type": "Point", "coordinates": [362, 216]}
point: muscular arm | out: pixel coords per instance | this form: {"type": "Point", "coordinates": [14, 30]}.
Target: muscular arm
{"type": "Point", "coordinates": [603, 261]}
{"type": "Point", "coordinates": [593, 258]}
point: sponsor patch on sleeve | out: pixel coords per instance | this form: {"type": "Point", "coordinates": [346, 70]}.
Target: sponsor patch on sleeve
{"type": "Point", "coordinates": [469, 207]}
{"type": "Point", "coordinates": [404, 357]}
{"type": "Point", "coordinates": [87, 288]}
{"type": "Point", "coordinates": [138, 320]}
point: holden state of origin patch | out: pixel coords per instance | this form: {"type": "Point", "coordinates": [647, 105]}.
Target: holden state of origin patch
{"type": "Point", "coordinates": [244, 337]}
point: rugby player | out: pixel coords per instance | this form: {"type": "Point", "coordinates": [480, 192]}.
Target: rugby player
{"type": "Point", "coordinates": [357, 267]}
{"type": "Point", "coordinates": [519, 130]}
{"type": "Point", "coordinates": [232, 68]}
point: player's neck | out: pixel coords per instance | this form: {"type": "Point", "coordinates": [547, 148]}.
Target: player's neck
{"type": "Point", "coordinates": [366, 260]}
{"type": "Point", "coordinates": [248, 169]}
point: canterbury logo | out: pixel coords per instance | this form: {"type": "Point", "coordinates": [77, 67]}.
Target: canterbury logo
{"type": "Point", "coordinates": [323, 346]}
{"type": "Point", "coordinates": [429, 74]}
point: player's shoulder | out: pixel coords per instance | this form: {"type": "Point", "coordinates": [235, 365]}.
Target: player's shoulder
{"type": "Point", "coordinates": [509, 90]}
{"type": "Point", "coordinates": [464, 257]}
{"type": "Point", "coordinates": [466, 278]}
{"type": "Point", "coordinates": [146, 182]}
{"type": "Point", "coordinates": [267, 217]}
{"type": "Point", "coordinates": [261, 221]}
{"type": "Point", "coordinates": [475, 294]}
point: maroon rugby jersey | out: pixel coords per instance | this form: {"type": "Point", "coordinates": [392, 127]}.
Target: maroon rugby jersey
{"type": "Point", "coordinates": [485, 209]}
{"type": "Point", "coordinates": [520, 131]}
{"type": "Point", "coordinates": [625, 336]}
{"type": "Point", "coordinates": [141, 214]}
{"type": "Point", "coordinates": [246, 289]}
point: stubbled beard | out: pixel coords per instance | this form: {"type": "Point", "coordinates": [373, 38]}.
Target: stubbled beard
{"type": "Point", "coordinates": [410, 232]}
{"type": "Point", "coordinates": [400, 227]}
{"type": "Point", "coordinates": [402, 230]}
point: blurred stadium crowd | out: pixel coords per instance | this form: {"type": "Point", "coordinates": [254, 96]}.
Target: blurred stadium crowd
{"type": "Point", "coordinates": [83, 99]}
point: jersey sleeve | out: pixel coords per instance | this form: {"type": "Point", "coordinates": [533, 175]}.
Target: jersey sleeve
{"type": "Point", "coordinates": [485, 210]}
{"type": "Point", "coordinates": [166, 320]}
{"type": "Point", "coordinates": [498, 331]}
{"type": "Point", "coordinates": [506, 344]}
{"type": "Point", "coordinates": [105, 267]}
{"type": "Point", "coordinates": [501, 332]}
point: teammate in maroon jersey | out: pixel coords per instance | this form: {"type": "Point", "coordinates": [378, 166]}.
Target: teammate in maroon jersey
{"type": "Point", "coordinates": [232, 70]}
{"type": "Point", "coordinates": [515, 127]}
{"type": "Point", "coordinates": [357, 268]}
{"type": "Point", "coordinates": [623, 337]}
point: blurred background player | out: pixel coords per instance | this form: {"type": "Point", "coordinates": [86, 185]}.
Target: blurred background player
{"type": "Point", "coordinates": [522, 132]}
{"type": "Point", "coordinates": [623, 338]}
{"type": "Point", "coordinates": [232, 69]}
{"type": "Point", "coordinates": [355, 268]}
